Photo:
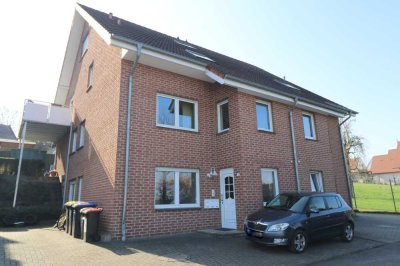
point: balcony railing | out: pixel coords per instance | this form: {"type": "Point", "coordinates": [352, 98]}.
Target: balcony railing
{"type": "Point", "coordinates": [48, 113]}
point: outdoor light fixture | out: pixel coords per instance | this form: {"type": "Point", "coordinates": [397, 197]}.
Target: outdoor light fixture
{"type": "Point", "coordinates": [212, 173]}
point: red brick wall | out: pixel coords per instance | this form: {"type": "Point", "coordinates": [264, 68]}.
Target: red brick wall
{"type": "Point", "coordinates": [243, 147]}
{"type": "Point", "coordinates": [99, 107]}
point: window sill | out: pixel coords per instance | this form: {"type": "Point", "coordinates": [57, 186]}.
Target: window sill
{"type": "Point", "coordinates": [80, 148]}
{"type": "Point", "coordinates": [223, 131]}
{"type": "Point", "coordinates": [89, 88]}
{"type": "Point", "coordinates": [72, 153]}
{"type": "Point", "coordinates": [177, 208]}
{"type": "Point", "coordinates": [265, 131]}
{"type": "Point", "coordinates": [83, 55]}
{"type": "Point", "coordinates": [311, 139]}
{"type": "Point", "coordinates": [178, 129]}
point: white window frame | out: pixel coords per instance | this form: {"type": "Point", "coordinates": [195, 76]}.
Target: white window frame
{"type": "Point", "coordinates": [176, 205]}
{"type": "Point", "coordinates": [268, 104]}
{"type": "Point", "coordinates": [176, 106]}
{"type": "Point", "coordinates": [219, 116]}
{"type": "Point", "coordinates": [82, 131]}
{"type": "Point", "coordinates": [85, 45]}
{"type": "Point", "coordinates": [74, 140]}
{"type": "Point", "coordinates": [80, 184]}
{"type": "Point", "coordinates": [90, 76]}
{"type": "Point", "coordinates": [276, 184]}
{"type": "Point", "coordinates": [314, 137]}
{"type": "Point", "coordinates": [320, 180]}
{"type": "Point", "coordinates": [71, 196]}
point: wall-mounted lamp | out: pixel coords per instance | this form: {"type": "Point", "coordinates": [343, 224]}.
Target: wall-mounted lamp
{"type": "Point", "coordinates": [212, 173]}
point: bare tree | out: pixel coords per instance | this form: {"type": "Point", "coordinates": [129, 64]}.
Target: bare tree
{"type": "Point", "coordinates": [9, 117]}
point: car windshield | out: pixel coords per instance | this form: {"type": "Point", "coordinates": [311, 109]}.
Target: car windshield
{"type": "Point", "coordinates": [294, 203]}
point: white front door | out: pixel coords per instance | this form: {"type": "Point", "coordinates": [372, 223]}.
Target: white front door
{"type": "Point", "coordinates": [228, 205]}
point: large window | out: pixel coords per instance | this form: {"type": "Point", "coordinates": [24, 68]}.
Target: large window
{"type": "Point", "coordinates": [264, 117]}
{"type": "Point", "coordinates": [269, 180]}
{"type": "Point", "coordinates": [176, 188]}
{"type": "Point", "coordinates": [309, 126]}
{"type": "Point", "coordinates": [177, 113]}
{"type": "Point", "coordinates": [223, 116]}
{"type": "Point", "coordinates": [317, 185]}
{"type": "Point", "coordinates": [85, 45]}
{"type": "Point", "coordinates": [82, 132]}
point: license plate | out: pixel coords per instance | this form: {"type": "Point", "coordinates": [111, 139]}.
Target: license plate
{"type": "Point", "coordinates": [257, 234]}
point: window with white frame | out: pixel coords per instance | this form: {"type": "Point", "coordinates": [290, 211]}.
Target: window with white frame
{"type": "Point", "coordinates": [80, 184]}
{"type": "Point", "coordinates": [82, 132]}
{"type": "Point", "coordinates": [317, 184]}
{"type": "Point", "coordinates": [71, 195]}
{"type": "Point", "coordinates": [85, 44]}
{"type": "Point", "coordinates": [177, 188]}
{"type": "Point", "coordinates": [264, 116]}
{"type": "Point", "coordinates": [269, 181]}
{"type": "Point", "coordinates": [179, 113]}
{"type": "Point", "coordinates": [74, 139]}
{"type": "Point", "coordinates": [90, 76]}
{"type": "Point", "coordinates": [309, 126]}
{"type": "Point", "coordinates": [223, 116]}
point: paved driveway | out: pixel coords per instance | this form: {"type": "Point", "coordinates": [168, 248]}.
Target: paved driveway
{"type": "Point", "coordinates": [377, 242]}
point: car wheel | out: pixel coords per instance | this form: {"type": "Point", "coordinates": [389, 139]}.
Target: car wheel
{"type": "Point", "coordinates": [348, 232]}
{"type": "Point", "coordinates": [299, 242]}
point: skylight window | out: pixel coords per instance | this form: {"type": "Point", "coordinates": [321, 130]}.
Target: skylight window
{"type": "Point", "coordinates": [286, 84]}
{"type": "Point", "coordinates": [184, 44]}
{"type": "Point", "coordinates": [199, 55]}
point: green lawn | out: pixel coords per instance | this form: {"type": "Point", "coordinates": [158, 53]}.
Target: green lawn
{"type": "Point", "coordinates": [374, 197]}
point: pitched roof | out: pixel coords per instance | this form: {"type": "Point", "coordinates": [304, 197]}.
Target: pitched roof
{"type": "Point", "coordinates": [226, 65]}
{"type": "Point", "coordinates": [6, 132]}
{"type": "Point", "coordinates": [388, 163]}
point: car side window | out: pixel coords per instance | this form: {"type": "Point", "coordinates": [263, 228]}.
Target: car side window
{"type": "Point", "coordinates": [332, 202]}
{"type": "Point", "coordinates": [317, 203]}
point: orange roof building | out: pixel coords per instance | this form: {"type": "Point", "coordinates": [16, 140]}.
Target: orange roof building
{"type": "Point", "coordinates": [387, 165]}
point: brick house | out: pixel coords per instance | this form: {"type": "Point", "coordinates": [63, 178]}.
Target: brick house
{"type": "Point", "coordinates": [210, 138]}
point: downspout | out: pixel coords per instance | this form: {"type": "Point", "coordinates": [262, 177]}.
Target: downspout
{"type": "Point", "coordinates": [128, 137]}
{"type": "Point", "coordinates": [346, 166]}
{"type": "Point", "coordinates": [67, 165]}
{"type": "Point", "coordinates": [21, 157]}
{"type": "Point", "coordinates": [295, 158]}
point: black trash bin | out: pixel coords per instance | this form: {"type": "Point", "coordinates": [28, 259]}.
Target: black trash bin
{"type": "Point", "coordinates": [76, 217]}
{"type": "Point", "coordinates": [90, 218]}
{"type": "Point", "coordinates": [68, 215]}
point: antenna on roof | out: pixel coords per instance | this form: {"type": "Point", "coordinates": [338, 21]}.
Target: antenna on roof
{"type": "Point", "coordinates": [110, 16]}
{"type": "Point", "coordinates": [119, 21]}
{"type": "Point", "coordinates": [178, 38]}
{"type": "Point", "coordinates": [284, 77]}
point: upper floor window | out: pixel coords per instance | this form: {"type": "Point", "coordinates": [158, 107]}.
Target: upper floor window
{"type": "Point", "coordinates": [176, 188]}
{"type": "Point", "coordinates": [309, 126]}
{"type": "Point", "coordinates": [82, 132]}
{"type": "Point", "coordinates": [90, 77]}
{"type": "Point", "coordinates": [74, 139]}
{"type": "Point", "coordinates": [317, 185]}
{"type": "Point", "coordinates": [264, 116]}
{"type": "Point", "coordinates": [174, 112]}
{"type": "Point", "coordinates": [223, 116]}
{"type": "Point", "coordinates": [269, 180]}
{"type": "Point", "coordinates": [85, 44]}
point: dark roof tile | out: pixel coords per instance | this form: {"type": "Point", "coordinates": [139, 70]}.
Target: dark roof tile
{"type": "Point", "coordinates": [225, 64]}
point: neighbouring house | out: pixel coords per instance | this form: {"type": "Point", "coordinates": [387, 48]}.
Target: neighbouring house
{"type": "Point", "coordinates": [386, 167]}
{"type": "Point", "coordinates": [170, 137]}
{"type": "Point", "coordinates": [8, 140]}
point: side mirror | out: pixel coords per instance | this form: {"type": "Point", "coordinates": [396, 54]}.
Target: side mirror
{"type": "Point", "coordinates": [313, 210]}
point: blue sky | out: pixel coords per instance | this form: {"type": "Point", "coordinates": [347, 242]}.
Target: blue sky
{"type": "Point", "coordinates": [347, 51]}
